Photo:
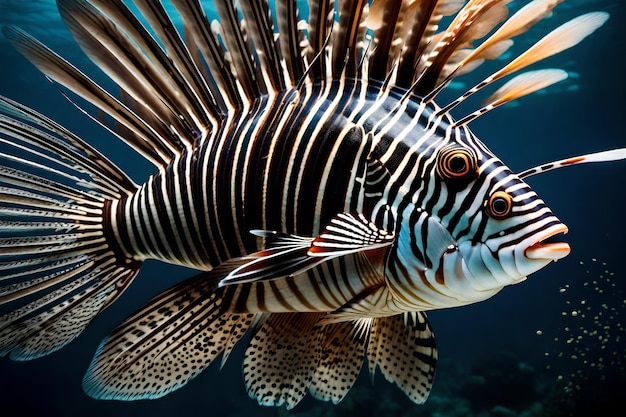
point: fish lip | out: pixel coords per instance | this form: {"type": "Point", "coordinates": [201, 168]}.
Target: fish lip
{"type": "Point", "coordinates": [551, 251]}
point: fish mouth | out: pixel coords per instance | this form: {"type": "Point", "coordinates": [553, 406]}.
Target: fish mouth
{"type": "Point", "coordinates": [547, 246]}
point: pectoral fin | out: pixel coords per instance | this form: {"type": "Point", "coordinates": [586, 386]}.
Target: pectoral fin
{"type": "Point", "coordinates": [349, 234]}
{"type": "Point", "coordinates": [403, 348]}
{"type": "Point", "coordinates": [290, 255]}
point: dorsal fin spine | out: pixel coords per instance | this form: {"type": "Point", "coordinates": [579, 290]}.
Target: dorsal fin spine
{"type": "Point", "coordinates": [239, 49]}
{"type": "Point", "coordinates": [346, 37]}
{"type": "Point", "coordinates": [212, 53]}
{"type": "Point", "coordinates": [321, 18]}
{"type": "Point", "coordinates": [199, 93]}
{"type": "Point", "coordinates": [261, 30]}
{"type": "Point", "coordinates": [384, 36]}
{"type": "Point", "coordinates": [289, 39]}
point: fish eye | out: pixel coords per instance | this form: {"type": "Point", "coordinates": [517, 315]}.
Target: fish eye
{"type": "Point", "coordinates": [456, 163]}
{"type": "Point", "coordinates": [499, 205]}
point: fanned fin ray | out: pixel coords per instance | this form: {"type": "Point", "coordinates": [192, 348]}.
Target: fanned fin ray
{"type": "Point", "coordinates": [403, 348]}
{"type": "Point", "coordinates": [343, 353]}
{"type": "Point", "coordinates": [57, 270]}
{"type": "Point", "coordinates": [205, 41]}
{"type": "Point", "coordinates": [282, 357]}
{"type": "Point", "coordinates": [348, 36]}
{"type": "Point", "coordinates": [261, 30]}
{"type": "Point", "coordinates": [563, 37]}
{"type": "Point", "coordinates": [519, 86]}
{"type": "Point", "coordinates": [292, 40]}
{"type": "Point", "coordinates": [176, 101]}
{"type": "Point", "coordinates": [474, 21]}
{"type": "Point", "coordinates": [419, 23]}
{"type": "Point", "coordinates": [196, 87]}
{"type": "Point", "coordinates": [146, 141]}
{"type": "Point", "coordinates": [123, 48]}
{"type": "Point", "coordinates": [165, 344]}
{"type": "Point", "coordinates": [321, 18]}
{"type": "Point", "coordinates": [239, 50]}
{"type": "Point", "coordinates": [411, 52]}
{"type": "Point", "coordinates": [289, 255]}
{"type": "Point", "coordinates": [517, 24]}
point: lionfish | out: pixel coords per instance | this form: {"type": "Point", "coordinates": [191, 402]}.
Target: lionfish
{"type": "Point", "coordinates": [301, 165]}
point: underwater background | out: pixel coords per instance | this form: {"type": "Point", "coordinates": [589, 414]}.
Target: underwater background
{"type": "Point", "coordinates": [554, 345]}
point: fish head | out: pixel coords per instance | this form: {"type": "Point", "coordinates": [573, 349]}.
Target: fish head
{"type": "Point", "coordinates": [472, 227]}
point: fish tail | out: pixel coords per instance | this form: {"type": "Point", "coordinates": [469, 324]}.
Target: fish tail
{"type": "Point", "coordinates": [57, 268]}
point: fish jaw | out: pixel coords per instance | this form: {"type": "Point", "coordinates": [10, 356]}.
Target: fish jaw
{"type": "Point", "coordinates": [541, 250]}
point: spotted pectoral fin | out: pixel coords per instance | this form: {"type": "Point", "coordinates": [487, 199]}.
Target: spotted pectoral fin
{"type": "Point", "coordinates": [289, 255]}
{"type": "Point", "coordinates": [168, 342]}
{"type": "Point", "coordinates": [403, 348]}
{"type": "Point", "coordinates": [282, 357]}
{"type": "Point", "coordinates": [290, 354]}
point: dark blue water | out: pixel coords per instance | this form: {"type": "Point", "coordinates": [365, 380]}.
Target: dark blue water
{"type": "Point", "coordinates": [553, 345]}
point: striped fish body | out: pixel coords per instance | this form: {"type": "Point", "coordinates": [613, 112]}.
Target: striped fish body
{"type": "Point", "coordinates": [297, 161]}
{"type": "Point", "coordinates": [325, 198]}
{"type": "Point", "coordinates": [290, 165]}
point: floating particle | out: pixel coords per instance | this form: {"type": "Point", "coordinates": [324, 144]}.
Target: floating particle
{"type": "Point", "coordinates": [539, 332]}
{"type": "Point", "coordinates": [593, 346]}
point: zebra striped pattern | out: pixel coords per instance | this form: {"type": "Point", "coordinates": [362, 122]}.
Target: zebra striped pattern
{"type": "Point", "coordinates": [307, 172]}
{"type": "Point", "coordinates": [175, 217]}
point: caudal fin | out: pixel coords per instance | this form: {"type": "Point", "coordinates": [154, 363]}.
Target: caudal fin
{"type": "Point", "coordinates": [57, 270]}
